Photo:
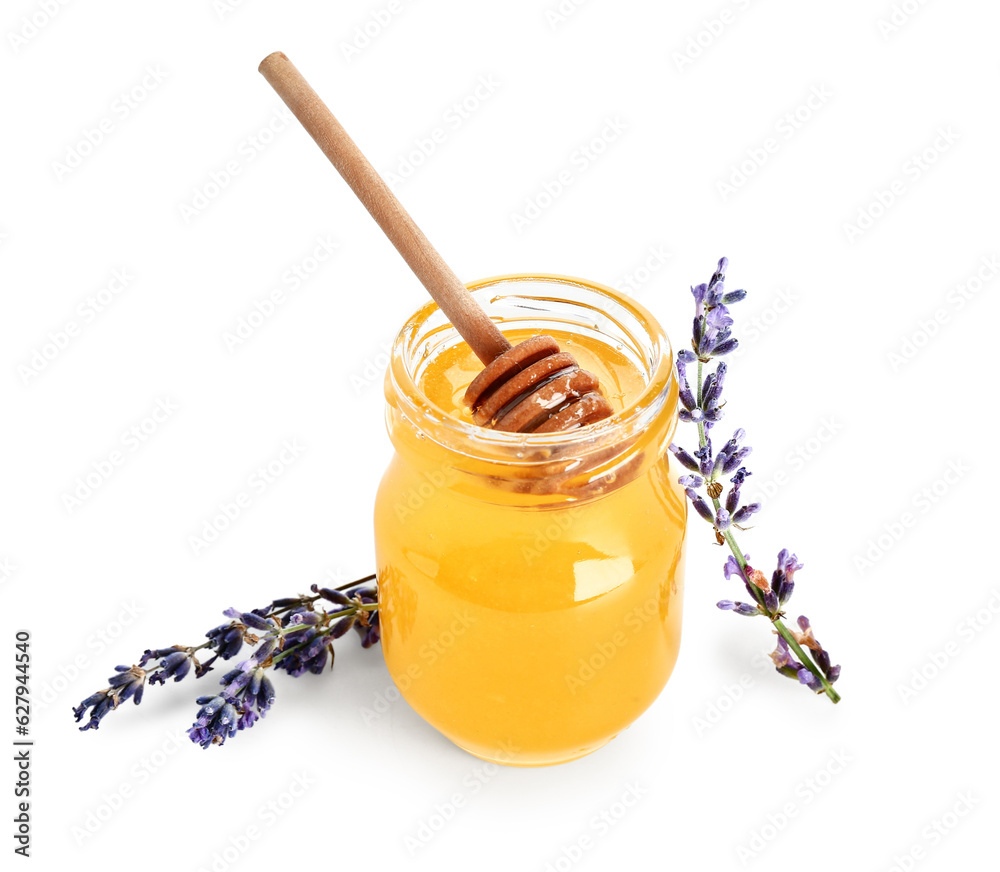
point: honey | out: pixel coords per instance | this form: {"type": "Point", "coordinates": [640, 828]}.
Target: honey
{"type": "Point", "coordinates": [531, 585]}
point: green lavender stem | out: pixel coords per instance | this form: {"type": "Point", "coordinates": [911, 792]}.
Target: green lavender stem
{"type": "Point", "coordinates": [776, 621]}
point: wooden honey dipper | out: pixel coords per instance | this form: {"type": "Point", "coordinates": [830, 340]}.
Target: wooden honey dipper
{"type": "Point", "coordinates": [532, 387]}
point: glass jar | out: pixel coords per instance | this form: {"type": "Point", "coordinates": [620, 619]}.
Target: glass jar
{"type": "Point", "coordinates": [531, 583]}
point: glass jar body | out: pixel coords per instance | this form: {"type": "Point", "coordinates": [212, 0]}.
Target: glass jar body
{"type": "Point", "coordinates": [530, 622]}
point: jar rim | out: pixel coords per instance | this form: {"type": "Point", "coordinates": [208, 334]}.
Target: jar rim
{"type": "Point", "coordinates": [458, 435]}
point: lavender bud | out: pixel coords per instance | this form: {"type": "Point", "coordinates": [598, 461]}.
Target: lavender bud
{"type": "Point", "coordinates": [308, 618]}
{"type": "Point", "coordinates": [744, 514]}
{"type": "Point", "coordinates": [342, 626]}
{"type": "Point", "coordinates": [691, 480]}
{"type": "Point", "coordinates": [704, 455]}
{"type": "Point", "coordinates": [736, 459]}
{"type": "Point", "coordinates": [725, 347]}
{"type": "Point", "coordinates": [256, 622]}
{"type": "Point", "coordinates": [713, 386]}
{"type": "Point", "coordinates": [686, 397]}
{"type": "Point", "coordinates": [722, 520]}
{"type": "Point", "coordinates": [701, 507]}
{"type": "Point", "coordinates": [733, 501]}
{"type": "Point", "coordinates": [334, 596]}
{"type": "Point", "coordinates": [684, 458]}
{"type": "Point", "coordinates": [734, 297]}
{"type": "Point", "coordinates": [770, 601]}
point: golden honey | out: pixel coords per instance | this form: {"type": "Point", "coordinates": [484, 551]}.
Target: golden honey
{"type": "Point", "coordinates": [531, 585]}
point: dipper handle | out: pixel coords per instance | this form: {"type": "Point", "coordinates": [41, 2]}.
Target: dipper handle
{"type": "Point", "coordinates": [442, 284]}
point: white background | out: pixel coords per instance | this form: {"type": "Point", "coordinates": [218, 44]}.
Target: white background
{"type": "Point", "coordinates": [735, 766]}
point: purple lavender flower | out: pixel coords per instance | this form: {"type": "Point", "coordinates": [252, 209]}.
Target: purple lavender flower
{"type": "Point", "coordinates": [722, 520]}
{"type": "Point", "coordinates": [745, 513]}
{"type": "Point", "coordinates": [368, 625]}
{"type": "Point", "coordinates": [684, 458]}
{"type": "Point", "coordinates": [807, 639]}
{"type": "Point", "coordinates": [739, 608]}
{"type": "Point", "coordinates": [227, 639]}
{"type": "Point", "coordinates": [128, 682]}
{"type": "Point", "coordinates": [702, 401]}
{"type": "Point", "coordinates": [712, 390]}
{"type": "Point", "coordinates": [216, 721]}
{"type": "Point", "coordinates": [783, 578]}
{"type": "Point", "coordinates": [732, 568]}
{"type": "Point", "coordinates": [704, 455]}
{"type": "Point", "coordinates": [700, 506]}
{"type": "Point", "coordinates": [249, 686]}
{"type": "Point", "coordinates": [176, 664]}
{"type": "Point", "coordinates": [783, 661]}
{"type": "Point", "coordinates": [335, 596]}
{"type": "Point", "coordinates": [303, 636]}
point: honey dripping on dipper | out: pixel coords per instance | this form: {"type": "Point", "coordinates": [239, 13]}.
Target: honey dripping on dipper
{"type": "Point", "coordinates": [532, 387]}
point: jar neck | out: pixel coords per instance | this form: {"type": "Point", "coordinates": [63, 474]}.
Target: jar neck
{"type": "Point", "coordinates": [536, 469]}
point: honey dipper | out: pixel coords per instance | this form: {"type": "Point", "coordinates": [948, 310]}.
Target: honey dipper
{"type": "Point", "coordinates": [532, 387]}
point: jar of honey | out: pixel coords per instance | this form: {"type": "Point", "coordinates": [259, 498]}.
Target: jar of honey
{"type": "Point", "coordinates": [530, 584]}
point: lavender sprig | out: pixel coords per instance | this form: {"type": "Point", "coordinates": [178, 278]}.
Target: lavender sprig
{"type": "Point", "coordinates": [294, 634]}
{"type": "Point", "coordinates": [712, 338]}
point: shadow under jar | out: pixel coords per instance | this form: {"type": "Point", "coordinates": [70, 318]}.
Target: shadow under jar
{"type": "Point", "coordinates": [531, 585]}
